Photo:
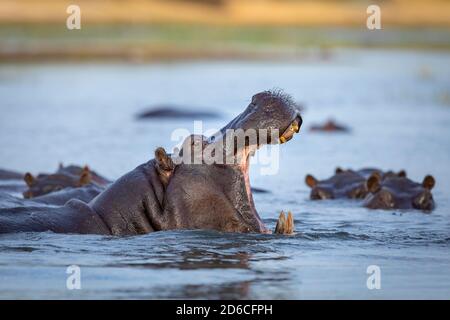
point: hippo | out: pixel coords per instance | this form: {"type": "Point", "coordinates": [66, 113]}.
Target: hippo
{"type": "Point", "coordinates": [78, 171]}
{"type": "Point", "coordinates": [329, 126]}
{"type": "Point", "coordinates": [66, 177]}
{"type": "Point", "coordinates": [172, 112]}
{"type": "Point", "coordinates": [345, 183]}
{"type": "Point", "coordinates": [84, 193]}
{"type": "Point", "coordinates": [399, 192]}
{"type": "Point", "coordinates": [10, 175]}
{"type": "Point", "coordinates": [171, 192]}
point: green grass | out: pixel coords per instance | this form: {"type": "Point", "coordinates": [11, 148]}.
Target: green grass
{"type": "Point", "coordinates": [202, 38]}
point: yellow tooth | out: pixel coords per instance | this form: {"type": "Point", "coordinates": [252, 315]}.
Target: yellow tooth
{"type": "Point", "coordinates": [282, 139]}
{"type": "Point", "coordinates": [295, 128]}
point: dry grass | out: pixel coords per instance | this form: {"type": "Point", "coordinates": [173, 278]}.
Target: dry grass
{"type": "Point", "coordinates": [234, 29]}
{"type": "Point", "coordinates": [232, 12]}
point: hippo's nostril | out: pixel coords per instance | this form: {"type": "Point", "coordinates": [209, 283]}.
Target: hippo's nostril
{"type": "Point", "coordinates": [320, 194]}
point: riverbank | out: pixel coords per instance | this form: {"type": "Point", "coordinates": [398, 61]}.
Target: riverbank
{"type": "Point", "coordinates": [172, 42]}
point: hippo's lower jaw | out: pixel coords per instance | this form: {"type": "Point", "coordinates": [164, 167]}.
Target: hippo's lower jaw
{"type": "Point", "coordinates": [252, 215]}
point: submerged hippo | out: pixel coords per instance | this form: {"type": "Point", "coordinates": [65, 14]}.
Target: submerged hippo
{"type": "Point", "coordinates": [66, 177]}
{"type": "Point", "coordinates": [345, 183]}
{"type": "Point", "coordinates": [396, 192]}
{"type": "Point", "coordinates": [166, 193]}
{"type": "Point", "coordinates": [329, 126]}
{"type": "Point", "coordinates": [173, 112]}
{"type": "Point", "coordinates": [84, 193]}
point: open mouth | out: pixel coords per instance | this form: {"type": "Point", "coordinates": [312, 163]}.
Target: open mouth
{"type": "Point", "coordinates": [287, 135]}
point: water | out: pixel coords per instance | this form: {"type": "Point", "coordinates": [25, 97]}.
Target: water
{"type": "Point", "coordinates": [396, 102]}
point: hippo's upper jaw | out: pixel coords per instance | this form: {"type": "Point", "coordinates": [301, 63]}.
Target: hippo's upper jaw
{"type": "Point", "coordinates": [272, 115]}
{"type": "Point", "coordinates": [211, 178]}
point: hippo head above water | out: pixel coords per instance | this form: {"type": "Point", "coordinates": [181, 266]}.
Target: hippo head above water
{"type": "Point", "coordinates": [47, 183]}
{"type": "Point", "coordinates": [395, 192]}
{"type": "Point", "coordinates": [346, 183]}
{"type": "Point", "coordinates": [71, 176]}
{"type": "Point", "coordinates": [214, 193]}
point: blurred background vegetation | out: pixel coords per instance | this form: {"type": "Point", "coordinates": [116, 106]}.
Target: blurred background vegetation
{"type": "Point", "coordinates": [144, 30]}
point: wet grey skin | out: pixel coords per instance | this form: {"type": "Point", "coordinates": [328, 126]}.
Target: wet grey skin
{"type": "Point", "coordinates": [164, 194]}
{"type": "Point", "coordinates": [345, 184]}
{"type": "Point", "coordinates": [66, 177]}
{"type": "Point", "coordinates": [396, 192]}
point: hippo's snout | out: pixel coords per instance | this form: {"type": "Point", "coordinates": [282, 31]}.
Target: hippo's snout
{"type": "Point", "coordinates": [424, 201]}
{"type": "Point", "coordinates": [27, 194]}
{"type": "Point", "coordinates": [321, 194]}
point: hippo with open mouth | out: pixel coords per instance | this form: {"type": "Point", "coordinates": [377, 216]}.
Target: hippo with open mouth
{"type": "Point", "coordinates": [172, 191]}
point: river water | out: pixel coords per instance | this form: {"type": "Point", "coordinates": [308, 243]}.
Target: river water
{"type": "Point", "coordinates": [397, 104]}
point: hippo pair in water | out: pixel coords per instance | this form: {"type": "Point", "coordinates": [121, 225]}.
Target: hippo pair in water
{"type": "Point", "coordinates": [166, 193]}
{"type": "Point", "coordinates": [380, 190]}
{"type": "Point", "coordinates": [65, 177]}
{"type": "Point", "coordinates": [68, 182]}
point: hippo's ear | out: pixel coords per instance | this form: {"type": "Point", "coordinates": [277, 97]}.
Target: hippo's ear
{"type": "Point", "coordinates": [373, 183]}
{"type": "Point", "coordinates": [86, 169]}
{"type": "Point", "coordinates": [401, 174]}
{"type": "Point", "coordinates": [310, 181]}
{"type": "Point", "coordinates": [163, 160]}
{"type": "Point", "coordinates": [428, 182]}
{"type": "Point", "coordinates": [60, 166]}
{"type": "Point", "coordinates": [339, 170]}
{"type": "Point", "coordinates": [29, 179]}
{"type": "Point", "coordinates": [85, 178]}
{"type": "Point", "coordinates": [164, 165]}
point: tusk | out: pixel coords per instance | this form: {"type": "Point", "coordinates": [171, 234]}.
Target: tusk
{"type": "Point", "coordinates": [289, 132]}
{"type": "Point", "coordinates": [285, 225]}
